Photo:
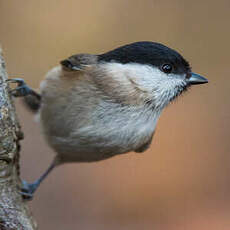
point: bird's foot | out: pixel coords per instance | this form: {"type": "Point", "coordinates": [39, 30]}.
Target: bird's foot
{"type": "Point", "coordinates": [27, 190]}
{"type": "Point", "coordinates": [22, 89]}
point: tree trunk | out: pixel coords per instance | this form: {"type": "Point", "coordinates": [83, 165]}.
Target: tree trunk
{"type": "Point", "coordinates": [14, 212]}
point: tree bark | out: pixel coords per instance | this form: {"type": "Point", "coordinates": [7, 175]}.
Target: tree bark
{"type": "Point", "coordinates": [14, 212]}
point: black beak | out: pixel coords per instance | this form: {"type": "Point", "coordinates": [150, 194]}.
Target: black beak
{"type": "Point", "coordinates": [196, 79]}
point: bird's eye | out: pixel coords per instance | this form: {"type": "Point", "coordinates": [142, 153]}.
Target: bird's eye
{"type": "Point", "coordinates": [166, 68]}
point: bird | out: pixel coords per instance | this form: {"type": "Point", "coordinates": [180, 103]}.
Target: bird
{"type": "Point", "coordinates": [93, 107]}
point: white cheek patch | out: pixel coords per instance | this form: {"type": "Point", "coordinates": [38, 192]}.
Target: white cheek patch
{"type": "Point", "coordinates": [159, 85]}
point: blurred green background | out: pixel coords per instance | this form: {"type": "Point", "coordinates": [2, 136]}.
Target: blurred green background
{"type": "Point", "coordinates": [183, 181]}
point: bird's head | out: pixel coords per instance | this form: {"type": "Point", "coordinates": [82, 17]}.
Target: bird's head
{"type": "Point", "coordinates": [160, 73]}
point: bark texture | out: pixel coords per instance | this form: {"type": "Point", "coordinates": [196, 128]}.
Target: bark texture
{"type": "Point", "coordinates": [14, 212]}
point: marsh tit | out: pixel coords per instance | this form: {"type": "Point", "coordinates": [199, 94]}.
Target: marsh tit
{"type": "Point", "coordinates": [93, 107]}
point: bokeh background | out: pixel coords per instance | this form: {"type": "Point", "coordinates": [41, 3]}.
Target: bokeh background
{"type": "Point", "coordinates": [183, 181]}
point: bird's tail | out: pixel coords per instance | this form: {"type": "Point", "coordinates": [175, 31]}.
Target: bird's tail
{"type": "Point", "coordinates": [32, 102]}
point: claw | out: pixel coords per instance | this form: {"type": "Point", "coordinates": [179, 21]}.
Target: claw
{"type": "Point", "coordinates": [20, 81]}
{"type": "Point", "coordinates": [22, 89]}
{"type": "Point", "coordinates": [27, 190]}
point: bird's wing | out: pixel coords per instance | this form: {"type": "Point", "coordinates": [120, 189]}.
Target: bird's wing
{"type": "Point", "coordinates": [79, 62]}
